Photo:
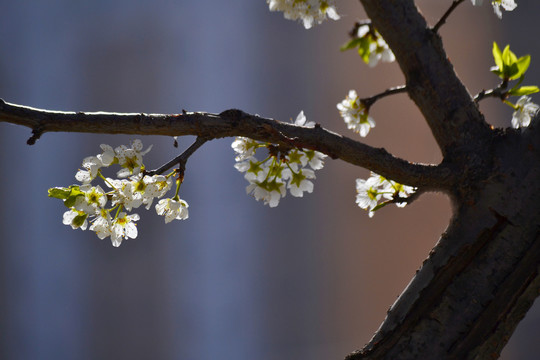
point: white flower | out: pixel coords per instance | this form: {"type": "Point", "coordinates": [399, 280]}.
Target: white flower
{"type": "Point", "coordinates": [362, 30]}
{"type": "Point", "coordinates": [91, 165]}
{"type": "Point", "coordinates": [102, 224]}
{"type": "Point", "coordinates": [302, 121]}
{"type": "Point", "coordinates": [268, 191]}
{"type": "Point", "coordinates": [108, 155]}
{"type": "Point", "coordinates": [125, 193]}
{"type": "Point", "coordinates": [123, 227]}
{"type": "Point", "coordinates": [299, 182]}
{"type": "Point", "coordinates": [368, 194]}
{"type": "Point", "coordinates": [271, 187]}
{"type": "Point", "coordinates": [254, 170]}
{"type": "Point", "coordinates": [507, 5]}
{"type": "Point", "coordinates": [402, 191]}
{"type": "Point", "coordinates": [269, 179]}
{"type": "Point", "coordinates": [94, 198]}
{"type": "Point", "coordinates": [131, 158]}
{"type": "Point", "coordinates": [163, 184]}
{"type": "Point", "coordinates": [378, 49]}
{"type": "Point", "coordinates": [315, 159]}
{"type": "Point", "coordinates": [244, 147]}
{"type": "Point", "coordinates": [524, 112]}
{"type": "Point", "coordinates": [309, 11]}
{"type": "Point", "coordinates": [355, 115]}
{"type": "Point", "coordinates": [150, 187]}
{"type": "Point", "coordinates": [377, 187]}
{"type": "Point", "coordinates": [172, 209]}
{"type": "Point", "coordinates": [76, 219]}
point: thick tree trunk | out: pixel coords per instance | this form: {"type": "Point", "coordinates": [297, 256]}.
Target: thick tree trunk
{"type": "Point", "coordinates": [482, 277]}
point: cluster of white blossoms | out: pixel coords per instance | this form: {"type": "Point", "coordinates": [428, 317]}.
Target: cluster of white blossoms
{"type": "Point", "coordinates": [88, 204]}
{"type": "Point", "coordinates": [525, 109]}
{"type": "Point", "coordinates": [355, 114]}
{"type": "Point", "coordinates": [270, 178]}
{"type": "Point", "coordinates": [376, 49]}
{"type": "Point", "coordinates": [309, 11]}
{"type": "Point", "coordinates": [377, 188]}
{"type": "Point", "coordinates": [370, 46]}
{"type": "Point", "coordinates": [507, 5]}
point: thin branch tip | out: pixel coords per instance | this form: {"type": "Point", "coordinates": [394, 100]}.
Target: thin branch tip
{"type": "Point", "coordinates": [181, 159]}
{"type": "Point", "coordinates": [36, 134]}
{"type": "Point", "coordinates": [368, 102]}
{"type": "Point", "coordinates": [443, 19]}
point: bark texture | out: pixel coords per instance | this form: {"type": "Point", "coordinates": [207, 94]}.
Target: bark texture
{"type": "Point", "coordinates": [482, 276]}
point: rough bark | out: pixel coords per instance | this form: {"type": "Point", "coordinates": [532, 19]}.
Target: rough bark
{"type": "Point", "coordinates": [482, 276]}
{"type": "Point", "coordinates": [225, 124]}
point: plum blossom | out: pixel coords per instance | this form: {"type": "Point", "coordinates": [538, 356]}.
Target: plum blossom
{"type": "Point", "coordinates": [309, 11]}
{"type": "Point", "coordinates": [102, 224]}
{"type": "Point", "coordinates": [76, 219]}
{"type": "Point", "coordinates": [377, 188]}
{"type": "Point", "coordinates": [91, 166]}
{"type": "Point", "coordinates": [302, 121]}
{"type": "Point", "coordinates": [299, 182]}
{"type": "Point", "coordinates": [123, 227]}
{"type": "Point", "coordinates": [269, 179]}
{"type": "Point", "coordinates": [87, 203]}
{"type": "Point", "coordinates": [175, 208]}
{"type": "Point", "coordinates": [507, 5]}
{"type": "Point", "coordinates": [355, 114]}
{"type": "Point", "coordinates": [244, 147]}
{"type": "Point", "coordinates": [131, 159]}
{"type": "Point", "coordinates": [525, 110]}
{"type": "Point", "coordinates": [377, 49]}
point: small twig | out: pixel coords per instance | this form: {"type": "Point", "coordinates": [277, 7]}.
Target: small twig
{"type": "Point", "coordinates": [232, 123]}
{"type": "Point", "coordinates": [409, 199]}
{"type": "Point", "coordinates": [180, 159]}
{"type": "Point", "coordinates": [392, 91]}
{"type": "Point", "coordinates": [36, 134]}
{"type": "Point", "coordinates": [498, 92]}
{"type": "Point", "coordinates": [442, 20]}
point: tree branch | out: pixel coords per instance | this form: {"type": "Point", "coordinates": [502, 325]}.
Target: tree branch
{"type": "Point", "coordinates": [442, 20]}
{"type": "Point", "coordinates": [498, 92]}
{"type": "Point", "coordinates": [232, 123]}
{"type": "Point", "coordinates": [432, 84]}
{"type": "Point", "coordinates": [180, 160]}
{"type": "Point", "coordinates": [368, 102]}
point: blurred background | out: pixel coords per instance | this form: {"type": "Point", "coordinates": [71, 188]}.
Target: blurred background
{"type": "Point", "coordinates": [312, 278]}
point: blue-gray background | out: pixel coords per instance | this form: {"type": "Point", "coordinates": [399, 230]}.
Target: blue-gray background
{"type": "Point", "coordinates": [312, 278]}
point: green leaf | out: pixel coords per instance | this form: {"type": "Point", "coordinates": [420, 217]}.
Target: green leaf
{"type": "Point", "coordinates": [508, 56]}
{"type": "Point", "coordinates": [364, 49]}
{"type": "Point", "coordinates": [59, 193]}
{"type": "Point", "coordinates": [524, 90]}
{"type": "Point", "coordinates": [73, 195]}
{"type": "Point", "coordinates": [353, 43]}
{"type": "Point", "coordinates": [512, 71]}
{"type": "Point", "coordinates": [381, 205]}
{"type": "Point", "coordinates": [78, 220]}
{"type": "Point", "coordinates": [497, 55]}
{"type": "Point", "coordinates": [522, 64]}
